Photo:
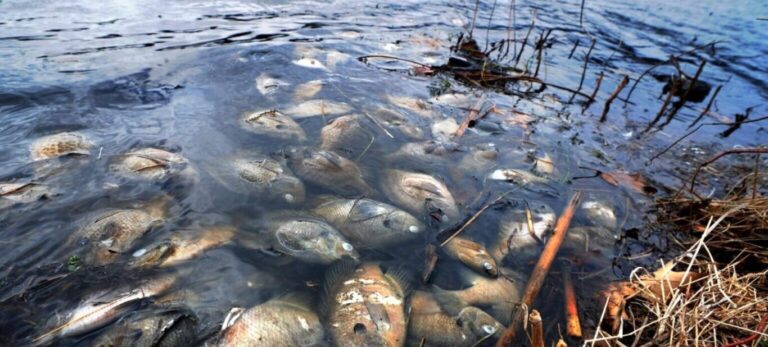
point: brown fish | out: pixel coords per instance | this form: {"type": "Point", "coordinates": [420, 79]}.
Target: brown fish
{"type": "Point", "coordinates": [329, 170]}
{"type": "Point", "coordinates": [438, 328]}
{"type": "Point", "coordinates": [183, 246]}
{"type": "Point", "coordinates": [60, 144]}
{"type": "Point", "coordinates": [21, 193]}
{"type": "Point", "coordinates": [273, 123]}
{"type": "Point", "coordinates": [169, 328]}
{"type": "Point", "coordinates": [473, 255]}
{"type": "Point", "coordinates": [501, 294]}
{"type": "Point", "coordinates": [313, 108]}
{"type": "Point", "coordinates": [149, 163]}
{"type": "Point", "coordinates": [268, 178]}
{"type": "Point", "coordinates": [365, 306]}
{"type": "Point", "coordinates": [282, 322]}
{"type": "Point", "coordinates": [98, 311]}
{"type": "Point", "coordinates": [416, 192]}
{"type": "Point", "coordinates": [114, 231]}
{"type": "Point", "coordinates": [346, 136]}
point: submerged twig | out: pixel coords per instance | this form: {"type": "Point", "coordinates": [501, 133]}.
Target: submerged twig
{"type": "Point", "coordinates": [706, 109]}
{"type": "Point", "coordinates": [586, 63]}
{"type": "Point", "coordinates": [449, 234]}
{"type": "Point", "coordinates": [720, 155]}
{"type": "Point", "coordinates": [613, 96]}
{"type": "Point", "coordinates": [474, 112]}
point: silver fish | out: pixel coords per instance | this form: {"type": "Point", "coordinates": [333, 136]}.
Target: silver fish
{"type": "Point", "coordinates": [307, 90]}
{"type": "Point", "coordinates": [313, 108]}
{"type": "Point", "coordinates": [346, 136]}
{"type": "Point", "coordinates": [261, 175]}
{"type": "Point", "coordinates": [368, 223]}
{"type": "Point", "coordinates": [169, 328]}
{"type": "Point", "coordinates": [182, 246]}
{"type": "Point", "coordinates": [329, 170]}
{"type": "Point", "coordinates": [514, 235]}
{"type": "Point", "coordinates": [268, 85]}
{"type": "Point", "coordinates": [308, 239]}
{"type": "Point", "coordinates": [273, 123]}
{"type": "Point", "coordinates": [415, 191]}
{"type": "Point", "coordinates": [21, 193]}
{"type": "Point", "coordinates": [149, 163]}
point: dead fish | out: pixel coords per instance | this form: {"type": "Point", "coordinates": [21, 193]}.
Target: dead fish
{"type": "Point", "coordinates": [516, 176]}
{"type": "Point", "coordinates": [514, 235]}
{"type": "Point", "coordinates": [313, 108]}
{"type": "Point", "coordinates": [168, 328]}
{"type": "Point", "coordinates": [453, 99]}
{"type": "Point", "coordinates": [417, 106]}
{"type": "Point", "coordinates": [500, 294]}
{"type": "Point", "coordinates": [394, 120]}
{"type": "Point", "coordinates": [329, 170]}
{"type": "Point", "coordinates": [307, 90]}
{"type": "Point", "coordinates": [114, 231]}
{"type": "Point", "coordinates": [334, 58]}
{"type": "Point", "coordinates": [439, 328]}
{"type": "Point", "coordinates": [368, 223]}
{"type": "Point", "coordinates": [182, 246]}
{"type": "Point", "coordinates": [479, 160]}
{"type": "Point", "coordinates": [429, 153]}
{"type": "Point", "coordinates": [416, 191]}
{"type": "Point", "coordinates": [365, 306]}
{"type": "Point", "coordinates": [22, 193]}
{"type": "Point", "coordinates": [273, 123]}
{"type": "Point", "coordinates": [346, 136]}
{"type": "Point", "coordinates": [310, 63]}
{"type": "Point", "coordinates": [600, 214]}
{"type": "Point", "coordinates": [443, 130]}
{"type": "Point", "coordinates": [268, 85]}
{"type": "Point", "coordinates": [543, 165]}
{"type": "Point", "coordinates": [100, 310]}
{"type": "Point", "coordinates": [285, 321]}
{"type": "Point", "coordinates": [261, 175]}
{"type": "Point", "coordinates": [308, 239]}
{"type": "Point", "coordinates": [60, 144]}
{"type": "Point", "coordinates": [149, 163]}
{"type": "Point", "coordinates": [473, 255]}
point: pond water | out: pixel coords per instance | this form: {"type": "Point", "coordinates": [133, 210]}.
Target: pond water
{"type": "Point", "coordinates": [193, 77]}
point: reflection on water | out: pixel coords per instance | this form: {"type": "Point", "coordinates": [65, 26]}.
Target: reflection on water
{"type": "Point", "coordinates": [241, 148]}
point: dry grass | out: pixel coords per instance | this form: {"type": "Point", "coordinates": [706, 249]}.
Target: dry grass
{"type": "Point", "coordinates": [702, 304]}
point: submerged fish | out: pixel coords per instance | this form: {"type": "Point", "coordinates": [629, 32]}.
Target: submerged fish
{"type": "Point", "coordinates": [261, 175]}
{"type": "Point", "coordinates": [346, 136]}
{"type": "Point", "coordinates": [499, 294]}
{"type": "Point", "coordinates": [438, 328]}
{"type": "Point", "coordinates": [417, 106]}
{"type": "Point", "coordinates": [334, 58]}
{"type": "Point", "coordinates": [368, 223]}
{"type": "Point", "coordinates": [514, 235]}
{"type": "Point", "coordinates": [21, 193]}
{"type": "Point", "coordinates": [313, 108]}
{"type": "Point", "coordinates": [149, 163]}
{"type": "Point", "coordinates": [419, 193]}
{"type": "Point", "coordinates": [473, 255]}
{"type": "Point", "coordinates": [285, 321]}
{"type": "Point", "coordinates": [100, 310]}
{"type": "Point", "coordinates": [267, 85]}
{"type": "Point", "coordinates": [308, 239]}
{"type": "Point", "coordinates": [365, 306]}
{"type": "Point", "coordinates": [600, 214]}
{"type": "Point", "coordinates": [182, 246]}
{"type": "Point", "coordinates": [443, 130]}
{"type": "Point", "coordinates": [329, 170]}
{"type": "Point", "coordinates": [544, 165]}
{"type": "Point", "coordinates": [516, 176]}
{"type": "Point", "coordinates": [60, 144]}
{"type": "Point", "coordinates": [168, 328]}
{"type": "Point", "coordinates": [310, 63]}
{"type": "Point", "coordinates": [113, 232]}
{"type": "Point", "coordinates": [273, 123]}
{"type": "Point", "coordinates": [395, 120]}
{"type": "Point", "coordinates": [307, 90]}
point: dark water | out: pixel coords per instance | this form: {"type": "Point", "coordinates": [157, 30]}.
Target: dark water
{"type": "Point", "coordinates": [179, 75]}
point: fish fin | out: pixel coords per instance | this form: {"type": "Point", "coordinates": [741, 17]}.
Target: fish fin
{"type": "Point", "coordinates": [232, 316]}
{"type": "Point", "coordinates": [402, 278]}
{"type": "Point", "coordinates": [322, 200]}
{"type": "Point", "coordinates": [302, 300]}
{"type": "Point", "coordinates": [449, 301]}
{"type": "Point", "coordinates": [337, 272]}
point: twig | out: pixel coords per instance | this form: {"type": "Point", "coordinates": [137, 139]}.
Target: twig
{"type": "Point", "coordinates": [430, 253]}
{"type": "Point", "coordinates": [722, 154]}
{"type": "Point", "coordinates": [594, 92]}
{"type": "Point", "coordinates": [573, 324]}
{"type": "Point", "coordinates": [752, 337]}
{"type": "Point", "coordinates": [540, 47]}
{"type": "Point", "coordinates": [537, 329]}
{"type": "Point", "coordinates": [670, 94]}
{"type": "Point", "coordinates": [382, 56]}
{"type": "Point", "coordinates": [586, 63]}
{"type": "Point", "coordinates": [581, 14]}
{"type": "Point", "coordinates": [453, 232]}
{"type": "Point", "coordinates": [539, 274]}
{"type": "Point", "coordinates": [525, 40]}
{"type": "Point", "coordinates": [575, 45]}
{"type": "Point", "coordinates": [709, 105]}
{"type": "Point", "coordinates": [757, 175]}
{"type": "Point", "coordinates": [474, 18]}
{"type": "Point", "coordinates": [615, 93]}
{"type": "Point", "coordinates": [684, 97]}
{"type": "Point", "coordinates": [473, 114]}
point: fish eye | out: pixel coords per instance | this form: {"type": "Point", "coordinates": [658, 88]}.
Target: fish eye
{"type": "Point", "coordinates": [413, 228]}
{"type": "Point", "coordinates": [487, 266]}
{"type": "Point", "coordinates": [347, 246]}
{"type": "Point", "coordinates": [359, 328]}
{"type": "Point", "coordinates": [289, 197]}
{"type": "Point", "coordinates": [489, 329]}
{"type": "Point", "coordinates": [139, 253]}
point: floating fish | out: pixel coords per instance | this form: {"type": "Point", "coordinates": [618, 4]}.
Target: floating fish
{"type": "Point", "coordinates": [600, 214]}
{"type": "Point", "coordinates": [417, 106]}
{"type": "Point", "coordinates": [346, 136]}
{"type": "Point", "coordinates": [329, 170]}
{"type": "Point", "coordinates": [167, 328]}
{"type": "Point", "coordinates": [286, 321]}
{"type": "Point", "coordinates": [60, 144]}
{"type": "Point", "coordinates": [310, 63]}
{"type": "Point", "coordinates": [22, 193]}
{"type": "Point", "coordinates": [334, 58]}
{"type": "Point", "coordinates": [182, 246]}
{"type": "Point", "coordinates": [308, 239]}
{"type": "Point", "coordinates": [365, 306]}
{"type": "Point", "coordinates": [419, 193]}
{"type": "Point", "coordinates": [261, 175]}
{"type": "Point", "coordinates": [516, 176]}
{"type": "Point", "coordinates": [316, 107]}
{"type": "Point", "coordinates": [149, 163]}
{"type": "Point", "coordinates": [438, 328]}
{"type": "Point", "coordinates": [307, 90]}
{"type": "Point", "coordinates": [274, 123]}
{"type": "Point", "coordinates": [473, 255]}
{"type": "Point", "coordinates": [514, 235]}
{"type": "Point", "coordinates": [500, 294]}
{"type": "Point", "coordinates": [443, 130]}
{"type": "Point", "coordinates": [267, 85]}
{"type": "Point", "coordinates": [368, 223]}
{"type": "Point", "coordinates": [394, 120]}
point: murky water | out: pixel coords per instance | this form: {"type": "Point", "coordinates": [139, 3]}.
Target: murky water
{"type": "Point", "coordinates": [182, 75]}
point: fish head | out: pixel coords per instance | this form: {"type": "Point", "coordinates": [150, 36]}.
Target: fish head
{"type": "Point", "coordinates": [290, 189]}
{"type": "Point", "coordinates": [478, 323]}
{"type": "Point", "coordinates": [315, 241]}
{"type": "Point", "coordinates": [403, 222]}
